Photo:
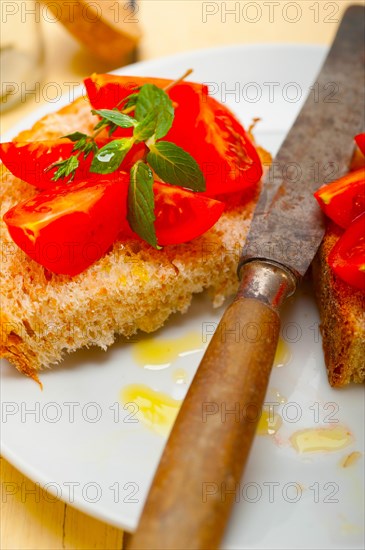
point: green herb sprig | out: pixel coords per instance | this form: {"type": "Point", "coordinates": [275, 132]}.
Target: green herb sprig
{"type": "Point", "coordinates": [153, 115]}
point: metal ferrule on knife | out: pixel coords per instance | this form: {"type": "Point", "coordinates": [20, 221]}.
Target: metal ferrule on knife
{"type": "Point", "coordinates": [266, 281]}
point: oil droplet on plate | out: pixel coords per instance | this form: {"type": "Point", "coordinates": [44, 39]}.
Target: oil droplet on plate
{"type": "Point", "coordinates": [155, 354]}
{"type": "Point", "coordinates": [269, 423]}
{"type": "Point", "coordinates": [282, 355]}
{"type": "Point", "coordinates": [274, 394]}
{"type": "Point", "coordinates": [156, 410]}
{"type": "Point", "coordinates": [180, 376]}
{"type": "Point", "coordinates": [350, 459]}
{"type": "Point", "coordinates": [349, 528]}
{"type": "Point", "coordinates": [321, 439]}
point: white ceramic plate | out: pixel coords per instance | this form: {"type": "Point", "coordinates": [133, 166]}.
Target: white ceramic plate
{"type": "Point", "coordinates": [102, 462]}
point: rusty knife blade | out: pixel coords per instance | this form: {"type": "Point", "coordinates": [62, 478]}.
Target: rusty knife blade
{"type": "Point", "coordinates": [287, 227]}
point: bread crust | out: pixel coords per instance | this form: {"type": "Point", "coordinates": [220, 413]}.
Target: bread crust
{"type": "Point", "coordinates": [342, 312]}
{"type": "Point", "coordinates": [133, 287]}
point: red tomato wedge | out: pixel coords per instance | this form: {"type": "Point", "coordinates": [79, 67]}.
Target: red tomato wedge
{"type": "Point", "coordinates": [182, 215]}
{"type": "Point", "coordinates": [347, 257]}
{"type": "Point", "coordinates": [202, 126]}
{"type": "Point", "coordinates": [344, 199]}
{"type": "Point", "coordinates": [66, 229]}
{"type": "Point", "coordinates": [360, 140]}
{"type": "Point", "coordinates": [29, 161]}
{"type": "Point", "coordinates": [221, 147]}
{"type": "Point", "coordinates": [106, 91]}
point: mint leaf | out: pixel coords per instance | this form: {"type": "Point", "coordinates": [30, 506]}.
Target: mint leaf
{"type": "Point", "coordinates": [86, 147]}
{"type": "Point", "coordinates": [80, 144]}
{"type": "Point", "coordinates": [149, 97]}
{"type": "Point", "coordinates": [146, 128]}
{"type": "Point", "coordinates": [154, 110]}
{"type": "Point", "coordinates": [130, 101]}
{"type": "Point", "coordinates": [141, 203]}
{"type": "Point", "coordinates": [76, 136]}
{"type": "Point", "coordinates": [116, 117]}
{"type": "Point", "coordinates": [83, 143]}
{"type": "Point", "coordinates": [109, 158]}
{"type": "Point", "coordinates": [175, 166]}
{"type": "Point", "coordinates": [66, 168]}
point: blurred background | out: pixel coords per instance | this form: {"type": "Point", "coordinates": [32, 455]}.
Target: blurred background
{"type": "Point", "coordinates": [66, 40]}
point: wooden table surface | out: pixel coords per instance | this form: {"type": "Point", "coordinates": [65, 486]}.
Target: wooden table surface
{"type": "Point", "coordinates": [168, 27]}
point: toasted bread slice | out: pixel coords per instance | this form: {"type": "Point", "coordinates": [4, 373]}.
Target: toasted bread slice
{"type": "Point", "coordinates": [133, 287]}
{"type": "Point", "coordinates": [342, 311]}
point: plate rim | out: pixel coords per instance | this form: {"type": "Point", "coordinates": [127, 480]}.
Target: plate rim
{"type": "Point", "coordinates": [18, 462]}
{"type": "Point", "coordinates": [46, 108]}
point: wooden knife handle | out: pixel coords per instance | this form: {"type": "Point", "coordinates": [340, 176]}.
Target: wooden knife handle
{"type": "Point", "coordinates": [198, 477]}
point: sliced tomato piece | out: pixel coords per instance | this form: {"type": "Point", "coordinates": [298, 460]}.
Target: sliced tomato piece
{"type": "Point", "coordinates": [30, 161]}
{"type": "Point", "coordinates": [67, 229]}
{"type": "Point", "coordinates": [360, 140]}
{"type": "Point", "coordinates": [344, 199]}
{"type": "Point", "coordinates": [347, 257]}
{"type": "Point", "coordinates": [221, 147]}
{"type": "Point", "coordinates": [202, 126]}
{"type": "Point", "coordinates": [106, 91]}
{"type": "Point", "coordinates": [182, 215]}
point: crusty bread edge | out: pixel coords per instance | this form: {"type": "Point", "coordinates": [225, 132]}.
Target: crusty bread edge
{"type": "Point", "coordinates": [342, 313]}
{"type": "Point", "coordinates": [17, 349]}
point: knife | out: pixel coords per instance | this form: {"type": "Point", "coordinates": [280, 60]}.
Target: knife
{"type": "Point", "coordinates": [199, 473]}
